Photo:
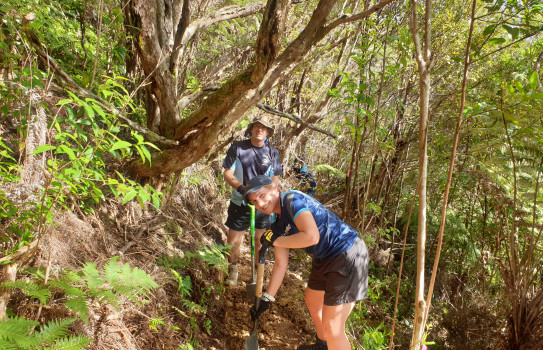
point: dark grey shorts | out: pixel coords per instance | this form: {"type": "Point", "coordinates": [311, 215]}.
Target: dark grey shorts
{"type": "Point", "coordinates": [343, 278]}
{"type": "Point", "coordinates": [239, 218]}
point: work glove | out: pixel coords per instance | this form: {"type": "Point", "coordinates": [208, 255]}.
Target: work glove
{"type": "Point", "coordinates": [267, 239]}
{"type": "Point", "coordinates": [263, 305]}
{"type": "Point", "coordinates": [242, 190]}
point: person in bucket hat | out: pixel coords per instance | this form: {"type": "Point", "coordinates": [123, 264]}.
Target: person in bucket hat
{"type": "Point", "coordinates": [244, 160]}
{"type": "Point", "coordinates": [339, 270]}
{"type": "Point", "coordinates": [263, 120]}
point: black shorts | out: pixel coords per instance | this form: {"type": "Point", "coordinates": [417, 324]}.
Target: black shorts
{"type": "Point", "coordinates": [239, 218]}
{"type": "Point", "coordinates": [343, 278]}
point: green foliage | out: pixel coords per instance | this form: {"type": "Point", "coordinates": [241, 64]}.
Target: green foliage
{"type": "Point", "coordinates": [85, 137]}
{"type": "Point", "coordinates": [78, 287]}
{"type": "Point", "coordinates": [159, 321]}
{"type": "Point", "coordinates": [374, 338]}
{"type": "Point", "coordinates": [184, 286]}
{"type": "Point", "coordinates": [329, 172]}
{"type": "Point", "coordinates": [17, 333]}
{"type": "Point", "coordinates": [31, 289]}
{"type": "Point", "coordinates": [77, 290]}
{"type": "Point", "coordinates": [194, 299]}
{"type": "Point", "coordinates": [213, 256]}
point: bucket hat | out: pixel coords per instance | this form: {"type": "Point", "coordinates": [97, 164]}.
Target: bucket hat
{"type": "Point", "coordinates": [264, 121]}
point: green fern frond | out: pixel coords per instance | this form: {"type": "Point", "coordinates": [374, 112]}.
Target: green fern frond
{"type": "Point", "coordinates": [36, 273]}
{"type": "Point", "coordinates": [132, 283]}
{"type": "Point", "coordinates": [72, 276]}
{"type": "Point", "coordinates": [186, 286]}
{"type": "Point", "coordinates": [78, 305]}
{"type": "Point", "coordinates": [112, 270]}
{"type": "Point", "coordinates": [105, 295]}
{"type": "Point", "coordinates": [71, 343]}
{"type": "Point", "coordinates": [173, 261]}
{"type": "Point", "coordinates": [30, 288]}
{"type": "Point", "coordinates": [8, 345]}
{"type": "Point", "coordinates": [94, 279]}
{"type": "Point", "coordinates": [55, 329]}
{"type": "Point", "coordinates": [14, 330]}
{"type": "Point", "coordinates": [65, 284]}
{"type": "Point", "coordinates": [214, 256]}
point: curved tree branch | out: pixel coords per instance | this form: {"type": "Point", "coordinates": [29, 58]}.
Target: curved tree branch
{"type": "Point", "coordinates": [223, 14]}
{"type": "Point", "coordinates": [359, 16]}
{"type": "Point", "coordinates": [294, 118]}
{"type": "Point", "coordinates": [187, 100]}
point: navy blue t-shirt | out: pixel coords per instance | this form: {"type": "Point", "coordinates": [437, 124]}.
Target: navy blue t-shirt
{"type": "Point", "coordinates": [248, 161]}
{"type": "Point", "coordinates": [335, 235]}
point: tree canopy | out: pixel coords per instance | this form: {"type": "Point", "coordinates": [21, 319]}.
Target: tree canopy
{"type": "Point", "coordinates": [422, 120]}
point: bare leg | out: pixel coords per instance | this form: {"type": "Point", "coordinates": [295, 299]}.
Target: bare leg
{"type": "Point", "coordinates": [333, 322]}
{"type": "Point", "coordinates": [314, 299]}
{"type": "Point", "coordinates": [236, 239]}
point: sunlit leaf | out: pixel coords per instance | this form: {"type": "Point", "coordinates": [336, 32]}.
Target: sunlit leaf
{"type": "Point", "coordinates": [120, 144]}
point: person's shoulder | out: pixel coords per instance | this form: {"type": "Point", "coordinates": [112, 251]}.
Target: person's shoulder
{"type": "Point", "coordinates": [241, 144]}
{"type": "Point", "coordinates": [293, 196]}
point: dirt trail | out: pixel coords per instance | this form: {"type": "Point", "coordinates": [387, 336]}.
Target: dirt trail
{"type": "Point", "coordinates": [285, 325]}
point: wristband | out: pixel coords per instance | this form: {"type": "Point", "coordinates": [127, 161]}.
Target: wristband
{"type": "Point", "coordinates": [267, 297]}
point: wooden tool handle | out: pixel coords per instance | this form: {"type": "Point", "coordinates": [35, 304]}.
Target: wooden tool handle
{"type": "Point", "coordinates": [259, 280]}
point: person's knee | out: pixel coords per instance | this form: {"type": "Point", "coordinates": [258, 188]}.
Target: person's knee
{"type": "Point", "coordinates": [333, 330]}
{"type": "Point", "coordinates": [311, 301]}
{"type": "Point", "coordinates": [235, 237]}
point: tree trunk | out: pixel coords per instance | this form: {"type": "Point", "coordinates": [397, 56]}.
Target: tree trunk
{"type": "Point", "coordinates": [7, 274]}
{"type": "Point", "coordinates": [223, 108]}
{"type": "Point", "coordinates": [423, 57]}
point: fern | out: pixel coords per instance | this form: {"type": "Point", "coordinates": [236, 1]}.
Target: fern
{"type": "Point", "coordinates": [213, 256]}
{"type": "Point", "coordinates": [66, 283]}
{"type": "Point", "coordinates": [184, 283]}
{"type": "Point", "coordinates": [186, 286]}
{"type": "Point", "coordinates": [130, 283]}
{"type": "Point", "coordinates": [30, 288]}
{"type": "Point", "coordinates": [155, 322]}
{"type": "Point", "coordinates": [78, 305]}
{"type": "Point", "coordinates": [36, 273]}
{"type": "Point", "coordinates": [78, 288]}
{"type": "Point", "coordinates": [71, 343]}
{"type": "Point", "coordinates": [173, 262]}
{"type": "Point", "coordinates": [14, 331]}
{"type": "Point", "coordinates": [7, 345]}
{"type": "Point", "coordinates": [55, 329]}
{"type": "Point", "coordinates": [93, 276]}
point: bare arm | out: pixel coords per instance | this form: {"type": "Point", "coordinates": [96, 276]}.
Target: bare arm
{"type": "Point", "coordinates": [230, 179]}
{"type": "Point", "coordinates": [276, 180]}
{"type": "Point", "coordinates": [279, 270]}
{"type": "Point", "coordinates": [308, 235]}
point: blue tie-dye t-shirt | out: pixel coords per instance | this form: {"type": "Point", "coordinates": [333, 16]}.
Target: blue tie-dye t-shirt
{"type": "Point", "coordinates": [335, 235]}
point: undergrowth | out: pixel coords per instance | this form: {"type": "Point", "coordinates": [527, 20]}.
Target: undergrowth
{"type": "Point", "coordinates": [76, 290]}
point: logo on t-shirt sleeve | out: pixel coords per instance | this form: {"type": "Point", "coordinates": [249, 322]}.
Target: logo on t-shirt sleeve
{"type": "Point", "coordinates": [287, 230]}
